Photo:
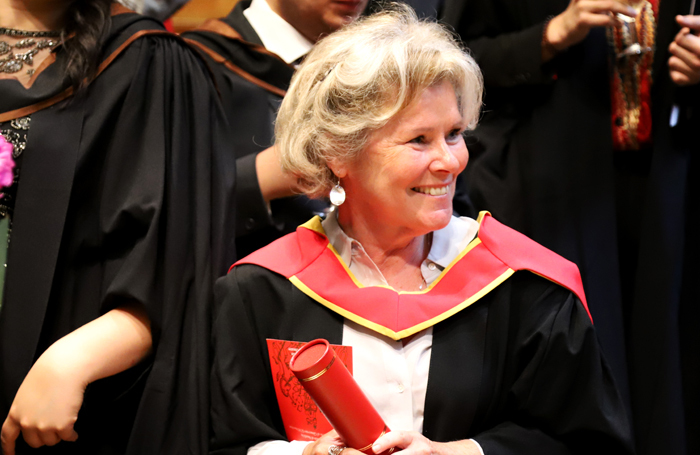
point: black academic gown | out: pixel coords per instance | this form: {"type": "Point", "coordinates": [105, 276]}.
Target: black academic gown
{"type": "Point", "coordinates": [542, 162]}
{"type": "Point", "coordinates": [520, 370]}
{"type": "Point", "coordinates": [122, 197]}
{"type": "Point", "coordinates": [252, 82]}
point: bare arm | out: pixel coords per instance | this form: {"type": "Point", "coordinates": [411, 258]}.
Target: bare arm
{"type": "Point", "coordinates": [47, 403]}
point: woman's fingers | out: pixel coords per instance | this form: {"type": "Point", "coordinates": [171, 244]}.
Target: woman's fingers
{"type": "Point", "coordinates": [690, 60]}
{"type": "Point", "coordinates": [48, 437]}
{"type": "Point", "coordinates": [322, 444]}
{"type": "Point", "coordinates": [684, 63]}
{"type": "Point", "coordinates": [591, 20]}
{"type": "Point", "coordinates": [607, 6]}
{"type": "Point", "coordinates": [46, 405]}
{"type": "Point", "coordinates": [389, 440]}
{"type": "Point", "coordinates": [68, 434]}
{"type": "Point", "coordinates": [410, 442]}
{"type": "Point", "coordinates": [692, 22]}
{"type": "Point", "coordinates": [8, 436]}
{"type": "Point", "coordinates": [680, 73]}
{"type": "Point", "coordinates": [34, 435]}
{"type": "Point", "coordinates": [688, 42]}
{"type": "Point", "coordinates": [31, 437]}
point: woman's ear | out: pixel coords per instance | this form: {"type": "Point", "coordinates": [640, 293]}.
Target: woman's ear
{"type": "Point", "coordinates": [338, 168]}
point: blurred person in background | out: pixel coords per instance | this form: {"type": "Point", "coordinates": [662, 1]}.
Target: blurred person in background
{"type": "Point", "coordinates": [112, 231]}
{"type": "Point", "coordinates": [253, 53]}
{"type": "Point", "coordinates": [587, 145]}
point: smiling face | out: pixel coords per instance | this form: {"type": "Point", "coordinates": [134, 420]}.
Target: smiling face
{"type": "Point", "coordinates": [317, 18]}
{"type": "Point", "coordinates": [403, 182]}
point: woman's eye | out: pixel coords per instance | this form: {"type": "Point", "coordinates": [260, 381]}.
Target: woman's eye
{"type": "Point", "coordinates": [454, 134]}
{"type": "Point", "coordinates": [418, 140]}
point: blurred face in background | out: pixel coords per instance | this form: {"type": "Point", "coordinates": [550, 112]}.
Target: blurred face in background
{"type": "Point", "coordinates": [317, 18]}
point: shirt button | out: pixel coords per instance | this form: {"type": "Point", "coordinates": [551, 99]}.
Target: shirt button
{"type": "Point", "coordinates": [399, 387]}
{"type": "Point", "coordinates": [432, 266]}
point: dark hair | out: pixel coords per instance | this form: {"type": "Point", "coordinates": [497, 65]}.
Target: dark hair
{"type": "Point", "coordinates": [87, 22]}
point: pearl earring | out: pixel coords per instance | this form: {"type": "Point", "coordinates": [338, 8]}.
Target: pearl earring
{"type": "Point", "coordinates": [337, 195]}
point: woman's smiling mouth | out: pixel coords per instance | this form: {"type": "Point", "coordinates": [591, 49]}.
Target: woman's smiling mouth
{"type": "Point", "coordinates": [432, 191]}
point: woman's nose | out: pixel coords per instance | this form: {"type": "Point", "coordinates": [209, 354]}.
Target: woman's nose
{"type": "Point", "coordinates": [450, 158]}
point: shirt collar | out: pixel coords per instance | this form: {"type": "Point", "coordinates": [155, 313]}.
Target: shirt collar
{"type": "Point", "coordinates": [276, 34]}
{"type": "Point", "coordinates": [451, 240]}
{"type": "Point", "coordinates": [337, 237]}
{"type": "Point", "coordinates": [446, 245]}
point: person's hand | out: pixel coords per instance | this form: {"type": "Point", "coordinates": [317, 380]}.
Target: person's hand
{"type": "Point", "coordinates": [274, 182]}
{"type": "Point", "coordinates": [414, 443]}
{"type": "Point", "coordinates": [573, 25]}
{"type": "Point", "coordinates": [321, 445]}
{"type": "Point", "coordinates": [46, 405]}
{"type": "Point", "coordinates": [684, 63]}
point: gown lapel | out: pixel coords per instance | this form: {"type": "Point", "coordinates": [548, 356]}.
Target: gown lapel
{"type": "Point", "coordinates": [48, 168]}
{"type": "Point", "coordinates": [456, 369]}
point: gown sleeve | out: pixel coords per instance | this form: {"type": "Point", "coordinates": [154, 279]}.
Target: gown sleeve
{"type": "Point", "coordinates": [508, 54]}
{"type": "Point", "coordinates": [253, 212]}
{"type": "Point", "coordinates": [560, 396]}
{"type": "Point", "coordinates": [244, 409]}
{"type": "Point", "coordinates": [156, 171]}
{"type": "Point", "coordinates": [252, 305]}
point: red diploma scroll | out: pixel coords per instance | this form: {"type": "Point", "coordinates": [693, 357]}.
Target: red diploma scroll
{"type": "Point", "coordinates": [336, 393]}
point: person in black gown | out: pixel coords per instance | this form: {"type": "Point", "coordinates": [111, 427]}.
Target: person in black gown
{"type": "Point", "coordinates": [117, 218]}
{"type": "Point", "coordinates": [466, 336]}
{"type": "Point", "coordinates": [593, 154]}
{"type": "Point", "coordinates": [252, 53]}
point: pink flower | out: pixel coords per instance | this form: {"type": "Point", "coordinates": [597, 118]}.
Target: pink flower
{"type": "Point", "coordinates": [6, 163]}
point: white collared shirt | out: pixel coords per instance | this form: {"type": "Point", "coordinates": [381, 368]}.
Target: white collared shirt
{"type": "Point", "coordinates": [393, 375]}
{"type": "Point", "coordinates": [276, 34]}
{"type": "Point", "coordinates": [446, 245]}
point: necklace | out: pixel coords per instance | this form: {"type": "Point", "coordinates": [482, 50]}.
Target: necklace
{"type": "Point", "coordinates": [30, 44]}
{"type": "Point", "coordinates": [28, 34]}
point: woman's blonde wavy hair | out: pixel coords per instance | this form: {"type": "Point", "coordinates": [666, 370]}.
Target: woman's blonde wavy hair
{"type": "Point", "coordinates": [356, 79]}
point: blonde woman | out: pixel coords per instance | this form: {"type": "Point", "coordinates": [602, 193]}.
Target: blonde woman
{"type": "Point", "coordinates": [457, 343]}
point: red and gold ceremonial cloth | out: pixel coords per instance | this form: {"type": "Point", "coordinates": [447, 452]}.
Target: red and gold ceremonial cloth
{"type": "Point", "coordinates": [310, 262]}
